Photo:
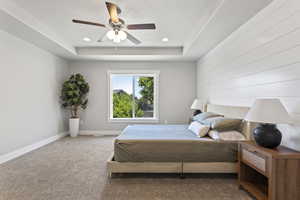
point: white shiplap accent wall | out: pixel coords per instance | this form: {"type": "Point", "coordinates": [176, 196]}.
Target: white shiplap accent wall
{"type": "Point", "coordinates": [260, 59]}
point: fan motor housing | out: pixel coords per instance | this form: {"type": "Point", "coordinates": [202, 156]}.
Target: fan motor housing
{"type": "Point", "coordinates": [117, 25]}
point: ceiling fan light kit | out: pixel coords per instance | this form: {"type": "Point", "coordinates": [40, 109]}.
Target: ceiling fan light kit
{"type": "Point", "coordinates": [117, 26]}
{"type": "Point", "coordinates": [116, 35]}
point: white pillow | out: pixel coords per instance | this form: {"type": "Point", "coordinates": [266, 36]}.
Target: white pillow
{"type": "Point", "coordinates": [226, 135]}
{"type": "Point", "coordinates": [199, 129]}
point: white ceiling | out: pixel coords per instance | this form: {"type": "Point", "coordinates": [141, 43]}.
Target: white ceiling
{"type": "Point", "coordinates": [185, 23]}
{"type": "Point", "coordinates": [174, 19]}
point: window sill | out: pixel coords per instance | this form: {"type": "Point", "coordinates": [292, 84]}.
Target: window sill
{"type": "Point", "coordinates": [133, 120]}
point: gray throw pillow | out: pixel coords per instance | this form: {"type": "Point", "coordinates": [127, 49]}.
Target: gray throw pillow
{"type": "Point", "coordinates": [205, 115]}
{"type": "Point", "coordinates": [223, 123]}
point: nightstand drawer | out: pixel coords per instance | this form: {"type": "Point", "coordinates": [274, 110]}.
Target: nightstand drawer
{"type": "Point", "coordinates": [269, 174]}
{"type": "Point", "coordinates": [254, 159]}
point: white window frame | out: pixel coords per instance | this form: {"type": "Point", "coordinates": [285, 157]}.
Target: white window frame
{"type": "Point", "coordinates": [154, 74]}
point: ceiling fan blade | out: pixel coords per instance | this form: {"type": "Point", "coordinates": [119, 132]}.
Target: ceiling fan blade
{"type": "Point", "coordinates": [103, 38]}
{"type": "Point", "coordinates": [140, 26]}
{"type": "Point", "coordinates": [87, 22]}
{"type": "Point", "coordinates": [113, 11]}
{"type": "Point", "coordinates": [132, 38]}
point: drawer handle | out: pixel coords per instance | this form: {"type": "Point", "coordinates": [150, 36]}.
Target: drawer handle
{"type": "Point", "coordinates": [256, 153]}
{"type": "Point", "coordinates": [252, 151]}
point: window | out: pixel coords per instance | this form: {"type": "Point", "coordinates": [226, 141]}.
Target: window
{"type": "Point", "coordinates": [133, 96]}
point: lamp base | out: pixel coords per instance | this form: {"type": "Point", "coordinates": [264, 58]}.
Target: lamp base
{"type": "Point", "coordinates": [196, 112]}
{"type": "Point", "coordinates": [267, 135]}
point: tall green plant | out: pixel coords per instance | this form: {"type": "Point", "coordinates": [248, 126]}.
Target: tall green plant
{"type": "Point", "coordinates": [74, 94]}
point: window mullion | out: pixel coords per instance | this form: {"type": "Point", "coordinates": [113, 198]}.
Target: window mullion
{"type": "Point", "coordinates": [133, 96]}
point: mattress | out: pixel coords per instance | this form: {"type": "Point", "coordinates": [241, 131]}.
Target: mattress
{"type": "Point", "coordinates": [170, 143]}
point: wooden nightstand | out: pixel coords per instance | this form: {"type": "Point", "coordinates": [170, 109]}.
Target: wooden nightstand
{"type": "Point", "coordinates": [269, 174]}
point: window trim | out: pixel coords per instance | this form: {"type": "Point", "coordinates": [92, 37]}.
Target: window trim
{"type": "Point", "coordinates": [155, 74]}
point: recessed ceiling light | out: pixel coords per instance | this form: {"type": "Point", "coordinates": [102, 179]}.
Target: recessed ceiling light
{"type": "Point", "coordinates": [165, 39]}
{"type": "Point", "coordinates": [86, 39]}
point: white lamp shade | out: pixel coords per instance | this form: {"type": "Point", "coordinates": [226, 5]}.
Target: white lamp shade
{"type": "Point", "coordinates": [197, 105]}
{"type": "Point", "coordinates": [268, 111]}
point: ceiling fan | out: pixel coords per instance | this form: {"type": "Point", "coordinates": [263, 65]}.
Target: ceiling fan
{"type": "Point", "coordinates": [117, 25]}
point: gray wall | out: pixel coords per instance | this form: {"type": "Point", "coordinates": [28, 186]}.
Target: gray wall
{"type": "Point", "coordinates": [261, 59]}
{"type": "Point", "coordinates": [30, 80]}
{"type": "Point", "coordinates": [177, 90]}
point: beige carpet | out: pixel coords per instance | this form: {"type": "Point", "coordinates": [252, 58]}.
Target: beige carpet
{"type": "Point", "coordinates": [75, 169]}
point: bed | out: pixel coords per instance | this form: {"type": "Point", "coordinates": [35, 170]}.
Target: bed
{"type": "Point", "coordinates": [174, 149]}
{"type": "Point", "coordinates": [169, 143]}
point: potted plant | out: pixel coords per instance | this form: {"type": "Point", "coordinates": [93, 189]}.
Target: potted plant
{"type": "Point", "coordinates": [74, 97]}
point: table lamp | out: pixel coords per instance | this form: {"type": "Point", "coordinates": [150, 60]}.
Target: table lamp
{"type": "Point", "coordinates": [268, 112]}
{"type": "Point", "coordinates": [197, 106]}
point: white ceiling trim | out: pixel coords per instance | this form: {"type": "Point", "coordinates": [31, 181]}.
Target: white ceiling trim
{"type": "Point", "coordinates": [227, 18]}
{"type": "Point", "coordinates": [132, 51]}
{"type": "Point", "coordinates": [134, 58]}
{"type": "Point", "coordinates": [189, 43]}
{"type": "Point", "coordinates": [12, 13]}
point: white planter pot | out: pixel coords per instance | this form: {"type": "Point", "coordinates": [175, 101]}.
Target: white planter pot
{"type": "Point", "coordinates": [74, 127]}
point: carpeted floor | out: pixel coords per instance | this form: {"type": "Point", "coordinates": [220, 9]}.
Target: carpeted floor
{"type": "Point", "coordinates": [75, 169]}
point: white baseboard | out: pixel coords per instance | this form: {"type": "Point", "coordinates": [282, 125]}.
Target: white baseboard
{"type": "Point", "coordinates": [19, 152]}
{"type": "Point", "coordinates": [101, 132]}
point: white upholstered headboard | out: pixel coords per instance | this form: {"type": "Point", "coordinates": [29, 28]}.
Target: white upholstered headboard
{"type": "Point", "coordinates": [233, 112]}
{"type": "Point", "coordinates": [228, 111]}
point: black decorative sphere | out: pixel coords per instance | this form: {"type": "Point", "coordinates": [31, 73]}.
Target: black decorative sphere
{"type": "Point", "coordinates": [267, 135]}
